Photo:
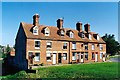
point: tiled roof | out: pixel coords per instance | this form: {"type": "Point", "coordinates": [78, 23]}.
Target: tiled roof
{"type": "Point", "coordinates": [54, 35]}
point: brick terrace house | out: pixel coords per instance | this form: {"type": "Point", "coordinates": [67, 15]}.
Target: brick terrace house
{"type": "Point", "coordinates": [41, 44]}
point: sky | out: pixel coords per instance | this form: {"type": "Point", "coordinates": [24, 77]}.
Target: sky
{"type": "Point", "coordinates": [102, 16]}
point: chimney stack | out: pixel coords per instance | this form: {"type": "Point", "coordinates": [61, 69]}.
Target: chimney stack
{"type": "Point", "coordinates": [87, 27]}
{"type": "Point", "coordinates": [36, 20]}
{"type": "Point", "coordinates": [60, 23]}
{"type": "Point", "coordinates": [79, 26]}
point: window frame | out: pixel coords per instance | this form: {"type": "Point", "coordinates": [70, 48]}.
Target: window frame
{"type": "Point", "coordinates": [35, 30]}
{"type": "Point", "coordinates": [37, 57]}
{"type": "Point", "coordinates": [101, 55]}
{"type": "Point", "coordinates": [64, 47]}
{"type": "Point", "coordinates": [47, 32]}
{"type": "Point", "coordinates": [74, 57]}
{"type": "Point", "coordinates": [64, 56]}
{"type": "Point", "coordinates": [93, 46]}
{"type": "Point", "coordinates": [73, 45]}
{"type": "Point", "coordinates": [37, 44]}
{"type": "Point", "coordinates": [50, 45]}
{"type": "Point", "coordinates": [86, 45]}
{"type": "Point", "coordinates": [71, 34]}
{"type": "Point", "coordinates": [49, 56]}
{"type": "Point", "coordinates": [101, 47]}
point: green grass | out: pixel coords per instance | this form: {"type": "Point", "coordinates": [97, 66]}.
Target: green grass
{"type": "Point", "coordinates": [107, 70]}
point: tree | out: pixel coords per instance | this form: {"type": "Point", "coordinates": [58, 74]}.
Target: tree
{"type": "Point", "coordinates": [112, 46]}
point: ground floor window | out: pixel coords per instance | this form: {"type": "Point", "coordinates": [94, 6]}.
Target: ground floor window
{"type": "Point", "coordinates": [48, 56]}
{"type": "Point", "coordinates": [93, 56]}
{"type": "Point", "coordinates": [65, 56]}
{"type": "Point", "coordinates": [86, 55]}
{"type": "Point", "coordinates": [37, 57]}
{"type": "Point", "coordinates": [73, 56]}
{"type": "Point", "coordinates": [101, 55]}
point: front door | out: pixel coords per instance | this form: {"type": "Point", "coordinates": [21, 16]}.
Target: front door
{"type": "Point", "coordinates": [78, 57]}
{"type": "Point", "coordinates": [59, 57]}
{"type": "Point", "coordinates": [96, 57]}
{"type": "Point", "coordinates": [54, 58]}
{"type": "Point", "coordinates": [82, 56]}
{"type": "Point", "coordinates": [30, 57]}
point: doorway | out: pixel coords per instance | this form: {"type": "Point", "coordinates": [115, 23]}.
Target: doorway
{"type": "Point", "coordinates": [30, 57]}
{"type": "Point", "coordinates": [54, 58]}
{"type": "Point", "coordinates": [78, 57]}
{"type": "Point", "coordinates": [96, 57]}
{"type": "Point", "coordinates": [82, 56]}
{"type": "Point", "coordinates": [59, 57]}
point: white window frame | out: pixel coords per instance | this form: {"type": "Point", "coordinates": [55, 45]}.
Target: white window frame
{"type": "Point", "coordinates": [86, 45]}
{"type": "Point", "coordinates": [101, 47]}
{"type": "Point", "coordinates": [50, 44]}
{"type": "Point", "coordinates": [93, 47]}
{"type": "Point", "coordinates": [74, 45]}
{"type": "Point", "coordinates": [48, 54]}
{"type": "Point", "coordinates": [47, 32]}
{"type": "Point", "coordinates": [98, 38]}
{"type": "Point", "coordinates": [35, 30]}
{"type": "Point", "coordinates": [71, 34]}
{"type": "Point", "coordinates": [37, 58]}
{"type": "Point", "coordinates": [90, 37]}
{"type": "Point", "coordinates": [62, 33]}
{"type": "Point", "coordinates": [64, 56]}
{"type": "Point", "coordinates": [63, 45]}
{"type": "Point", "coordinates": [74, 57]}
{"type": "Point", "coordinates": [101, 55]}
{"type": "Point", "coordinates": [35, 44]}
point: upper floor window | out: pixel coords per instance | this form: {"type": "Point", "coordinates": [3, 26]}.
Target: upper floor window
{"type": "Point", "coordinates": [98, 38]}
{"type": "Point", "coordinates": [49, 44]}
{"type": "Point", "coordinates": [64, 45]}
{"type": "Point", "coordinates": [90, 37]}
{"type": "Point", "coordinates": [86, 46]}
{"type": "Point", "coordinates": [82, 35]}
{"type": "Point", "coordinates": [37, 44]}
{"type": "Point", "coordinates": [71, 34]}
{"type": "Point", "coordinates": [35, 30]}
{"type": "Point", "coordinates": [62, 33]}
{"type": "Point", "coordinates": [93, 47]}
{"type": "Point", "coordinates": [47, 32]}
{"type": "Point", "coordinates": [101, 47]}
{"type": "Point", "coordinates": [37, 57]}
{"type": "Point", "coordinates": [73, 45]}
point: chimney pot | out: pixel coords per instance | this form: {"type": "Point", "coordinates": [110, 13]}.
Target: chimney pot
{"type": "Point", "coordinates": [87, 27]}
{"type": "Point", "coordinates": [60, 23]}
{"type": "Point", "coordinates": [36, 20]}
{"type": "Point", "coordinates": [79, 26]}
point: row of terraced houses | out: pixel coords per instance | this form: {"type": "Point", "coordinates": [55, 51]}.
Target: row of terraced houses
{"type": "Point", "coordinates": [40, 44]}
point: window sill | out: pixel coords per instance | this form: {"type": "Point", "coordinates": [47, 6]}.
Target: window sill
{"type": "Point", "coordinates": [37, 48]}
{"type": "Point", "coordinates": [48, 48]}
{"type": "Point", "coordinates": [73, 49]}
{"type": "Point", "coordinates": [49, 60]}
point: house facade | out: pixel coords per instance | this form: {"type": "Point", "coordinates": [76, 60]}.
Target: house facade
{"type": "Point", "coordinates": [40, 44]}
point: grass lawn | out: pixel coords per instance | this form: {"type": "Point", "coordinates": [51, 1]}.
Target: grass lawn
{"type": "Point", "coordinates": [107, 70]}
